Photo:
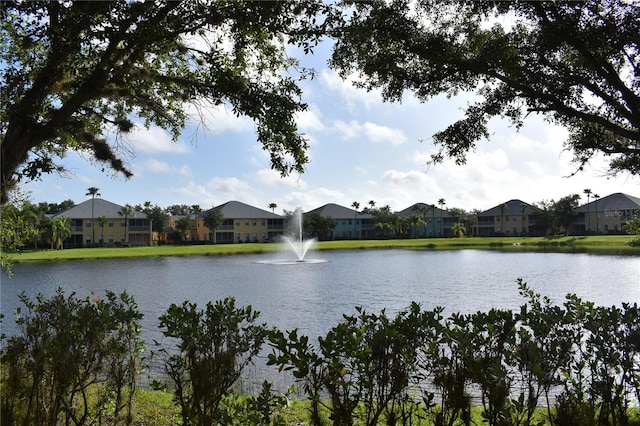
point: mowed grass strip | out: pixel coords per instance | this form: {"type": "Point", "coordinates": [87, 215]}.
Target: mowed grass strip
{"type": "Point", "coordinates": [615, 244]}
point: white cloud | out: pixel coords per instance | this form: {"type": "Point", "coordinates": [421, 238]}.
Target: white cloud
{"type": "Point", "coordinates": [352, 96]}
{"type": "Point", "coordinates": [310, 120]}
{"type": "Point", "coordinates": [155, 140]}
{"type": "Point", "coordinates": [153, 165]}
{"type": "Point", "coordinates": [383, 134]}
{"type": "Point", "coordinates": [272, 178]}
{"type": "Point", "coordinates": [312, 199]}
{"type": "Point", "coordinates": [217, 119]}
{"type": "Point", "coordinates": [228, 185]}
{"type": "Point", "coordinates": [373, 132]}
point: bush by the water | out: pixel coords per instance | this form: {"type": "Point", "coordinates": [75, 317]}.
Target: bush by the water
{"type": "Point", "coordinates": [77, 361]}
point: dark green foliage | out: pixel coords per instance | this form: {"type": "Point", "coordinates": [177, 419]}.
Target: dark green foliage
{"type": "Point", "coordinates": [213, 218]}
{"type": "Point", "coordinates": [520, 58]}
{"type": "Point", "coordinates": [633, 227]}
{"type": "Point", "coordinates": [213, 347]}
{"type": "Point", "coordinates": [579, 361]}
{"type": "Point", "coordinates": [76, 362]}
{"type": "Point", "coordinates": [318, 226]}
{"type": "Point", "coordinates": [366, 364]}
{"type": "Point", "coordinates": [73, 71]}
{"type": "Point", "coordinates": [68, 348]}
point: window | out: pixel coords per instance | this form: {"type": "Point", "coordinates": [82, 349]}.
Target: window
{"type": "Point", "coordinates": [238, 236]}
{"type": "Point", "coordinates": [122, 240]}
{"type": "Point", "coordinates": [123, 223]}
{"type": "Point", "coordinates": [247, 237]}
{"type": "Point", "coordinates": [88, 224]}
{"type": "Point", "coordinates": [246, 222]}
{"type": "Point", "coordinates": [111, 238]}
{"type": "Point", "coordinates": [255, 222]}
{"type": "Point", "coordinates": [111, 223]}
{"type": "Point", "coordinates": [255, 236]}
{"type": "Point", "coordinates": [238, 224]}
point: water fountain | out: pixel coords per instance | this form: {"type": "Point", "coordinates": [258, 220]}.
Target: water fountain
{"type": "Point", "coordinates": [296, 240]}
{"type": "Point", "coordinates": [296, 243]}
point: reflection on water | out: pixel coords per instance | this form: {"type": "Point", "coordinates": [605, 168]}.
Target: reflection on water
{"type": "Point", "coordinates": [313, 296]}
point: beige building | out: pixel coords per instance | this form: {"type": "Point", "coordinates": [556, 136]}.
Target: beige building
{"type": "Point", "coordinates": [242, 223]}
{"type": "Point", "coordinates": [513, 218]}
{"type": "Point", "coordinates": [605, 215]}
{"type": "Point", "coordinates": [97, 222]}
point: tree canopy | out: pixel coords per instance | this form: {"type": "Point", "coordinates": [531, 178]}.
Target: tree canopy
{"type": "Point", "coordinates": [575, 63]}
{"type": "Point", "coordinates": [80, 75]}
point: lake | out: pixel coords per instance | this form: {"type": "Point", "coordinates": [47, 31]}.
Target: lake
{"type": "Point", "coordinates": [313, 296]}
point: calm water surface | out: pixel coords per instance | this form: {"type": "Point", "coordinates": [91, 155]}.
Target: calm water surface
{"type": "Point", "coordinates": [313, 297]}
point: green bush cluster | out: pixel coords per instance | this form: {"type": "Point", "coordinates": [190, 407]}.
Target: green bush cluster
{"type": "Point", "coordinates": [76, 361]}
{"type": "Point", "coordinates": [578, 360]}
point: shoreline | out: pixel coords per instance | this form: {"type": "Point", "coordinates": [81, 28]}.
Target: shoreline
{"type": "Point", "coordinates": [600, 244]}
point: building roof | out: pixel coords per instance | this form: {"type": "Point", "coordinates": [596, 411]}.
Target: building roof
{"type": "Point", "coordinates": [617, 201]}
{"type": "Point", "coordinates": [238, 210]}
{"type": "Point", "coordinates": [335, 211]}
{"type": "Point", "coordinates": [101, 207]}
{"type": "Point", "coordinates": [511, 207]}
{"type": "Point", "coordinates": [414, 210]}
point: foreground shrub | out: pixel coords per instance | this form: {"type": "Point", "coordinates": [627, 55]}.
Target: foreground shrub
{"type": "Point", "coordinates": [72, 358]}
{"type": "Point", "coordinates": [367, 365]}
{"type": "Point", "coordinates": [212, 347]}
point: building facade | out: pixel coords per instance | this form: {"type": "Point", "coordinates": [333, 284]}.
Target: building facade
{"type": "Point", "coordinates": [438, 222]}
{"type": "Point", "coordinates": [350, 224]}
{"type": "Point", "coordinates": [509, 219]}
{"type": "Point", "coordinates": [605, 215]}
{"type": "Point", "coordinates": [241, 223]}
{"type": "Point", "coordinates": [97, 222]}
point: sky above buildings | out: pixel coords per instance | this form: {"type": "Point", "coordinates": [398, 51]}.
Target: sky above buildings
{"type": "Point", "coordinates": [361, 149]}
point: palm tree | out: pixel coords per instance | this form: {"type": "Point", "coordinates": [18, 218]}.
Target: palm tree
{"type": "Point", "coordinates": [422, 210]}
{"type": "Point", "coordinates": [441, 202]}
{"type": "Point", "coordinates": [102, 220]}
{"type": "Point", "coordinates": [587, 191]}
{"type": "Point", "coordinates": [273, 206]}
{"type": "Point", "coordinates": [595, 197]}
{"type": "Point", "coordinates": [60, 231]}
{"type": "Point", "coordinates": [502, 208]}
{"type": "Point", "coordinates": [432, 207]}
{"type": "Point", "coordinates": [372, 204]}
{"type": "Point", "coordinates": [415, 220]}
{"type": "Point", "coordinates": [93, 191]}
{"type": "Point", "coordinates": [459, 229]}
{"type": "Point", "coordinates": [127, 212]}
{"type": "Point", "coordinates": [523, 206]}
{"type": "Point", "coordinates": [356, 206]}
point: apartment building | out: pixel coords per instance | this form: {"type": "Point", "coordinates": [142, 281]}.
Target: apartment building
{"type": "Point", "coordinates": [512, 218]}
{"type": "Point", "coordinates": [98, 222]}
{"type": "Point", "coordinates": [605, 215]}
{"type": "Point", "coordinates": [350, 224]}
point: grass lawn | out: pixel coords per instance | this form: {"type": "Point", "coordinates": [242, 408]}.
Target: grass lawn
{"type": "Point", "coordinates": [157, 408]}
{"type": "Point", "coordinates": [614, 244]}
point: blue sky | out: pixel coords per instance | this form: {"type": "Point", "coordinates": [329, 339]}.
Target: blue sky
{"type": "Point", "coordinates": [361, 149]}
